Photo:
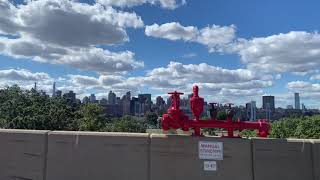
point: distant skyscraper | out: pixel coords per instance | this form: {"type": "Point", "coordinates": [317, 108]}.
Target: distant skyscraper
{"type": "Point", "coordinates": [92, 98]}
{"type": "Point", "coordinates": [289, 107]}
{"type": "Point", "coordinates": [251, 110]}
{"type": "Point", "coordinates": [112, 98]}
{"type": "Point", "coordinates": [303, 107]}
{"type": "Point", "coordinates": [268, 103]}
{"type": "Point", "coordinates": [35, 86]}
{"type": "Point", "coordinates": [70, 96]}
{"type": "Point", "coordinates": [54, 89]}
{"type": "Point", "coordinates": [58, 93]}
{"type": "Point", "coordinates": [296, 101]}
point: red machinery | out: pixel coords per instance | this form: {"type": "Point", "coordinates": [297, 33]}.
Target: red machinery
{"type": "Point", "coordinates": [175, 118]}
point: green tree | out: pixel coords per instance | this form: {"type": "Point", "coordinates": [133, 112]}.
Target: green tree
{"type": "Point", "coordinates": [248, 133]}
{"type": "Point", "coordinates": [221, 115]}
{"type": "Point", "coordinates": [308, 128]}
{"type": "Point", "coordinates": [92, 118]}
{"type": "Point", "coordinates": [151, 119]}
{"type": "Point", "coordinates": [127, 124]}
{"type": "Point", "coordinates": [284, 128]}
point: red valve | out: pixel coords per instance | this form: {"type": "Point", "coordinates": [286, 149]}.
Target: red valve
{"type": "Point", "coordinates": [175, 118]}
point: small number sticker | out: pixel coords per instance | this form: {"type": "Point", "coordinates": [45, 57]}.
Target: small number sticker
{"type": "Point", "coordinates": [210, 165]}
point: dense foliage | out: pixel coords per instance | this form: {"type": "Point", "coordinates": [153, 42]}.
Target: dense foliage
{"type": "Point", "coordinates": [29, 109]}
{"type": "Point", "coordinates": [302, 127]}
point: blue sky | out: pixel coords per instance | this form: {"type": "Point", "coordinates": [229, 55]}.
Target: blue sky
{"type": "Point", "coordinates": [236, 51]}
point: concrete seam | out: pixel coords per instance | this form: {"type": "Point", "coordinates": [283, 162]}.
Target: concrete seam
{"type": "Point", "coordinates": [149, 158]}
{"type": "Point", "coordinates": [45, 156]}
{"type": "Point", "coordinates": [252, 160]}
{"type": "Point", "coordinates": [313, 161]}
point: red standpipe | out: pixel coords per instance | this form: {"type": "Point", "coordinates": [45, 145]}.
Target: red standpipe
{"type": "Point", "coordinates": [176, 119]}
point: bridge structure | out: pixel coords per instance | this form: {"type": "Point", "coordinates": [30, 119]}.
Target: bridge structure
{"type": "Point", "coordinates": [61, 155]}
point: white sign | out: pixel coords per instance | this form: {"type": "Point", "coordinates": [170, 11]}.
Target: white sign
{"type": "Point", "coordinates": [210, 150]}
{"type": "Point", "coordinates": [210, 165]}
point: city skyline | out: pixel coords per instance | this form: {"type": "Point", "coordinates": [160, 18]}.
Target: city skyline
{"type": "Point", "coordinates": [160, 46]}
{"type": "Point", "coordinates": [154, 98]}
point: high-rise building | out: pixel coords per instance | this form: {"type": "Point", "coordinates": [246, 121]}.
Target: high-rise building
{"type": "Point", "coordinates": [70, 97]}
{"type": "Point", "coordinates": [145, 102]}
{"type": "Point", "coordinates": [92, 98]}
{"type": "Point", "coordinates": [54, 89]}
{"type": "Point", "coordinates": [58, 93]}
{"type": "Point", "coordinates": [251, 110]}
{"type": "Point", "coordinates": [268, 103]}
{"type": "Point", "coordinates": [85, 100]}
{"type": "Point", "coordinates": [289, 107]}
{"type": "Point", "coordinates": [103, 101]}
{"type": "Point", "coordinates": [296, 101]}
{"type": "Point", "coordinates": [126, 104]}
{"type": "Point", "coordinates": [112, 98]}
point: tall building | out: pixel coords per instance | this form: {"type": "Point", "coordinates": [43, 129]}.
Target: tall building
{"type": "Point", "coordinates": [103, 101]}
{"type": "Point", "coordinates": [145, 102]}
{"type": "Point", "coordinates": [251, 111]}
{"type": "Point", "coordinates": [58, 93]}
{"type": "Point", "coordinates": [268, 103]}
{"type": "Point", "coordinates": [70, 97]}
{"type": "Point", "coordinates": [85, 100]}
{"type": "Point", "coordinates": [92, 98]}
{"type": "Point", "coordinates": [296, 101]}
{"type": "Point", "coordinates": [126, 104]}
{"type": "Point", "coordinates": [112, 98]}
{"type": "Point", "coordinates": [54, 89]}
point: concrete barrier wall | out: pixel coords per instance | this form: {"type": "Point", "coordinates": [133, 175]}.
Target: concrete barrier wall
{"type": "Point", "coordinates": [98, 156]}
{"type": "Point", "coordinates": [316, 158]}
{"type": "Point", "coordinates": [281, 159]}
{"type": "Point", "coordinates": [22, 154]}
{"type": "Point", "coordinates": [57, 155]}
{"type": "Point", "coordinates": [177, 157]}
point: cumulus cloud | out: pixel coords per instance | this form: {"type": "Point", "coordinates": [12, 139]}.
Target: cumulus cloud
{"type": "Point", "coordinates": [68, 32]}
{"type": "Point", "coordinates": [91, 58]}
{"type": "Point", "coordinates": [303, 86]}
{"type": "Point", "coordinates": [296, 51]}
{"type": "Point", "coordinates": [315, 77]}
{"type": "Point", "coordinates": [178, 76]}
{"type": "Point", "coordinates": [24, 78]}
{"type": "Point", "coordinates": [214, 37]}
{"type": "Point", "coordinates": [167, 4]}
{"type": "Point", "coordinates": [22, 75]}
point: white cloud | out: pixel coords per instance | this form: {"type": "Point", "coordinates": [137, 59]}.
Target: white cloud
{"type": "Point", "coordinates": [24, 78]}
{"type": "Point", "coordinates": [297, 52]}
{"type": "Point", "coordinates": [172, 31]}
{"type": "Point", "coordinates": [315, 77]}
{"type": "Point", "coordinates": [303, 86]}
{"type": "Point", "coordinates": [22, 75]}
{"type": "Point", "coordinates": [91, 58]}
{"type": "Point", "coordinates": [167, 4]}
{"type": "Point", "coordinates": [68, 32]}
{"type": "Point", "coordinates": [215, 37]}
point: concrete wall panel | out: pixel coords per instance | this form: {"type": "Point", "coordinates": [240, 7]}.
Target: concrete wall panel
{"type": "Point", "coordinates": [176, 157]}
{"type": "Point", "coordinates": [22, 154]}
{"type": "Point", "coordinates": [316, 159]}
{"type": "Point", "coordinates": [98, 156]}
{"type": "Point", "coordinates": [281, 159]}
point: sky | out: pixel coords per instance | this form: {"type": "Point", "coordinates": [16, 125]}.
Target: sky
{"type": "Point", "coordinates": [235, 51]}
